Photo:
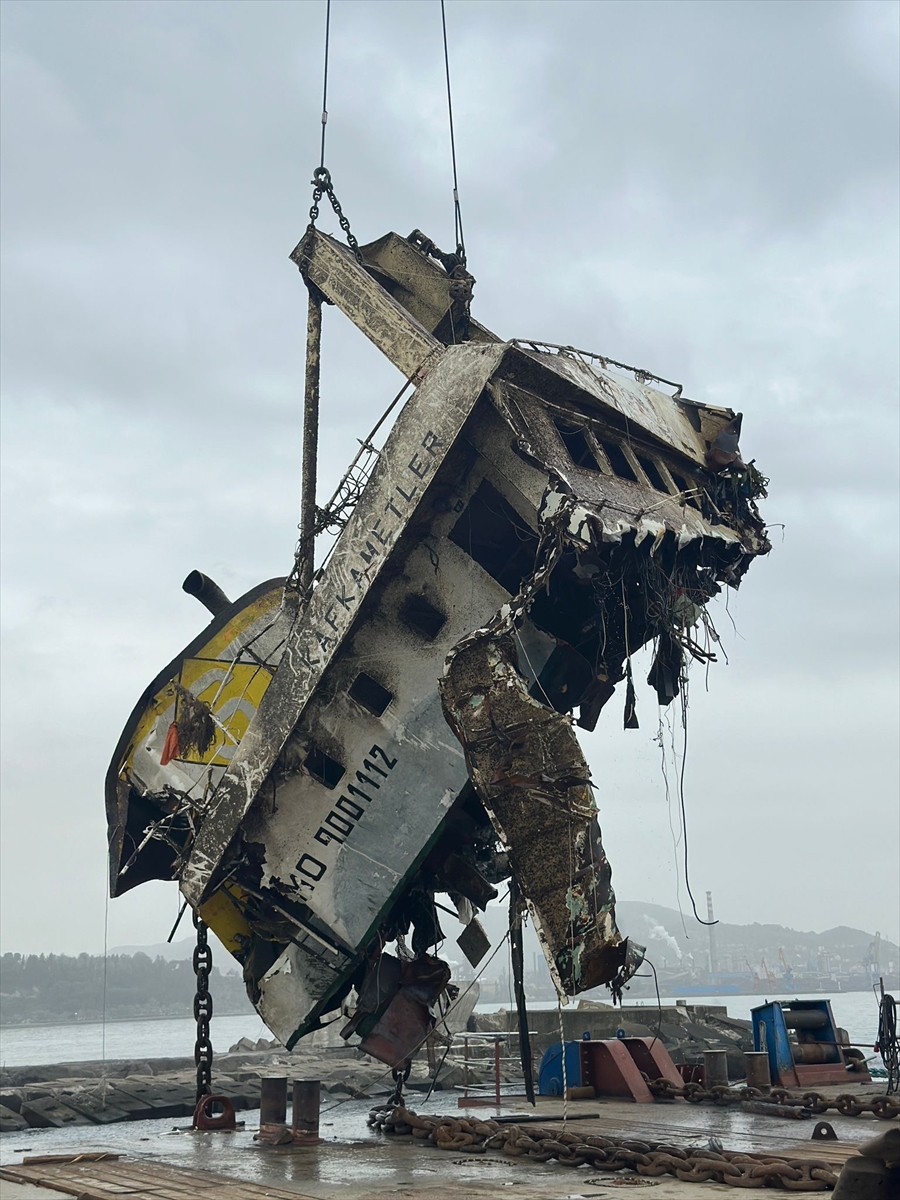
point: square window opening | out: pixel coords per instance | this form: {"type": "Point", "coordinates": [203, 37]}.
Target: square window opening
{"type": "Point", "coordinates": [370, 694]}
{"type": "Point", "coordinates": [651, 470]}
{"type": "Point", "coordinates": [495, 535]}
{"type": "Point", "coordinates": [322, 767]}
{"type": "Point", "coordinates": [579, 448]}
{"type": "Point", "coordinates": [619, 463]}
{"type": "Point", "coordinates": [421, 615]}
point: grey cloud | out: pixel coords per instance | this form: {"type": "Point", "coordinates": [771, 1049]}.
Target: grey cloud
{"type": "Point", "coordinates": [707, 190]}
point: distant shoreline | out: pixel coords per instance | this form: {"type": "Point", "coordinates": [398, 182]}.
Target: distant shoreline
{"type": "Point", "coordinates": [494, 1005]}
{"type": "Point", "coordinates": [62, 1023]}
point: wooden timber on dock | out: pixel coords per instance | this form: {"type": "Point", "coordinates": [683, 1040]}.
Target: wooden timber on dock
{"type": "Point", "coordinates": [107, 1177]}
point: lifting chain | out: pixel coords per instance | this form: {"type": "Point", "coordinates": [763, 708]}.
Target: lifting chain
{"type": "Point", "coordinates": [382, 1112]}
{"type": "Point", "coordinates": [652, 1159]}
{"type": "Point", "coordinates": [399, 1076]}
{"type": "Point", "coordinates": [203, 1010]}
{"type": "Point", "coordinates": [322, 186]}
{"type": "Point", "coordinates": [886, 1107]}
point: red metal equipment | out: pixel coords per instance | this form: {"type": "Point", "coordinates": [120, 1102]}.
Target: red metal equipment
{"type": "Point", "coordinates": [617, 1067]}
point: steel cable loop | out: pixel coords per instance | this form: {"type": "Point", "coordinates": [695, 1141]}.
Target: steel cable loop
{"type": "Point", "coordinates": [651, 1159]}
{"type": "Point", "coordinates": [887, 1043]}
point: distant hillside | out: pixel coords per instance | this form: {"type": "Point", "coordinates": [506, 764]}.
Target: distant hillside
{"type": "Point", "coordinates": [181, 949]}
{"type": "Point", "coordinates": [656, 927]}
{"type": "Point", "coordinates": [672, 946]}
{"type": "Point", "coordinates": [55, 987]}
{"type": "Point", "coordinates": [662, 929]}
{"type": "Point", "coordinates": [157, 980]}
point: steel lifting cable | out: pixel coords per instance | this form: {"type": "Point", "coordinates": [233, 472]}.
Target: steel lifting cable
{"type": "Point", "coordinates": [457, 211]}
{"type": "Point", "coordinates": [321, 180]}
{"type": "Point", "coordinates": [325, 82]}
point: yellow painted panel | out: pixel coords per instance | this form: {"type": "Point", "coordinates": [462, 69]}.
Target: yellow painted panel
{"type": "Point", "coordinates": [223, 915]}
{"type": "Point", "coordinates": [233, 691]}
{"type": "Point", "coordinates": [220, 647]}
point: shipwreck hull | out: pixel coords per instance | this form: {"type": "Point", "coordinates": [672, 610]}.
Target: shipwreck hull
{"type": "Point", "coordinates": [531, 521]}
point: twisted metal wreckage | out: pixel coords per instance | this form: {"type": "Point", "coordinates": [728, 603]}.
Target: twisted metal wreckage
{"type": "Point", "coordinates": [331, 752]}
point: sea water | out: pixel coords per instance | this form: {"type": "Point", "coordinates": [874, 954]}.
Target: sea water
{"type": "Point", "coordinates": [21, 1045]}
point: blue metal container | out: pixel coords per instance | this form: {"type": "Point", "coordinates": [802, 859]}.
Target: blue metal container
{"type": "Point", "coordinates": [550, 1078]}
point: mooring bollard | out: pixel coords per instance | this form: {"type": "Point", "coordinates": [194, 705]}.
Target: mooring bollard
{"type": "Point", "coordinates": [756, 1066]}
{"type": "Point", "coordinates": [715, 1063]}
{"type": "Point", "coordinates": [305, 1112]}
{"type": "Point", "coordinates": [273, 1128]}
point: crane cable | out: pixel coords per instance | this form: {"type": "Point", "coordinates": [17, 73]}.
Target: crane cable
{"type": "Point", "coordinates": [321, 180]}
{"type": "Point", "coordinates": [325, 82]}
{"type": "Point", "coordinates": [457, 211]}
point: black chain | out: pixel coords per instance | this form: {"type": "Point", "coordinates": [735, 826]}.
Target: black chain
{"type": "Point", "coordinates": [848, 1105]}
{"type": "Point", "coordinates": [399, 1077]}
{"type": "Point", "coordinates": [203, 1010]}
{"type": "Point", "coordinates": [322, 186]}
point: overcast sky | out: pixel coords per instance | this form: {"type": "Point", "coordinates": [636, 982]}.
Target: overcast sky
{"type": "Point", "coordinates": [708, 190]}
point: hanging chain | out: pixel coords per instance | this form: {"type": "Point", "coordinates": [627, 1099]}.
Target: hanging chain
{"type": "Point", "coordinates": [322, 186]}
{"type": "Point", "coordinates": [203, 1010]}
{"type": "Point", "coordinates": [399, 1076]}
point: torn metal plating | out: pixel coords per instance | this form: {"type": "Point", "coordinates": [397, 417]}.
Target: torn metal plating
{"type": "Point", "coordinates": [530, 774]}
{"type": "Point", "coordinates": [323, 761]}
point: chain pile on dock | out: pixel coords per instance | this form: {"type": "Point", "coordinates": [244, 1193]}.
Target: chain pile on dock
{"type": "Point", "coordinates": [885, 1107]}
{"type": "Point", "coordinates": [651, 1159]}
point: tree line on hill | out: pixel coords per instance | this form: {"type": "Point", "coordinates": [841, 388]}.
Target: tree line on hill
{"type": "Point", "coordinates": [56, 987]}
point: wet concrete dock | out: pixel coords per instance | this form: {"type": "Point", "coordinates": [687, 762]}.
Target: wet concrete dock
{"type": "Point", "coordinates": [357, 1163]}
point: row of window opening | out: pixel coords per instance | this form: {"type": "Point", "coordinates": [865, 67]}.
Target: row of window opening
{"type": "Point", "coordinates": [585, 452]}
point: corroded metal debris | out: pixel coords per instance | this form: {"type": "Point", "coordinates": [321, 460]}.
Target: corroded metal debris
{"type": "Point", "coordinates": [328, 755]}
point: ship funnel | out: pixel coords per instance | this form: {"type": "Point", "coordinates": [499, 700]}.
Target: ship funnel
{"type": "Point", "coordinates": [206, 591]}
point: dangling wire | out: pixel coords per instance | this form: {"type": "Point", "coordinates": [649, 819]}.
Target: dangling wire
{"type": "Point", "coordinates": [105, 975]}
{"type": "Point", "coordinates": [457, 212]}
{"type": "Point", "coordinates": [684, 749]}
{"type": "Point", "coordinates": [104, 1079]}
{"type": "Point", "coordinates": [325, 81]}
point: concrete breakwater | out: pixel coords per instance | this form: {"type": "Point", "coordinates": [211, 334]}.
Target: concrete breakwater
{"type": "Point", "coordinates": [86, 1093]}
{"type": "Point", "coordinates": [685, 1030]}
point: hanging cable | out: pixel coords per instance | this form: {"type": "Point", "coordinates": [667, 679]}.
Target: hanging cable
{"type": "Point", "coordinates": [104, 1077]}
{"type": "Point", "coordinates": [687, 877]}
{"type": "Point", "coordinates": [325, 81]}
{"type": "Point", "coordinates": [321, 180]}
{"type": "Point", "coordinates": [457, 212]}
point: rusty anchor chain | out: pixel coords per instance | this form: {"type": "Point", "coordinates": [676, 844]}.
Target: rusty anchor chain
{"type": "Point", "coordinates": [651, 1159]}
{"type": "Point", "coordinates": [885, 1107]}
{"type": "Point", "coordinates": [203, 1010]}
{"type": "Point", "coordinates": [322, 186]}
